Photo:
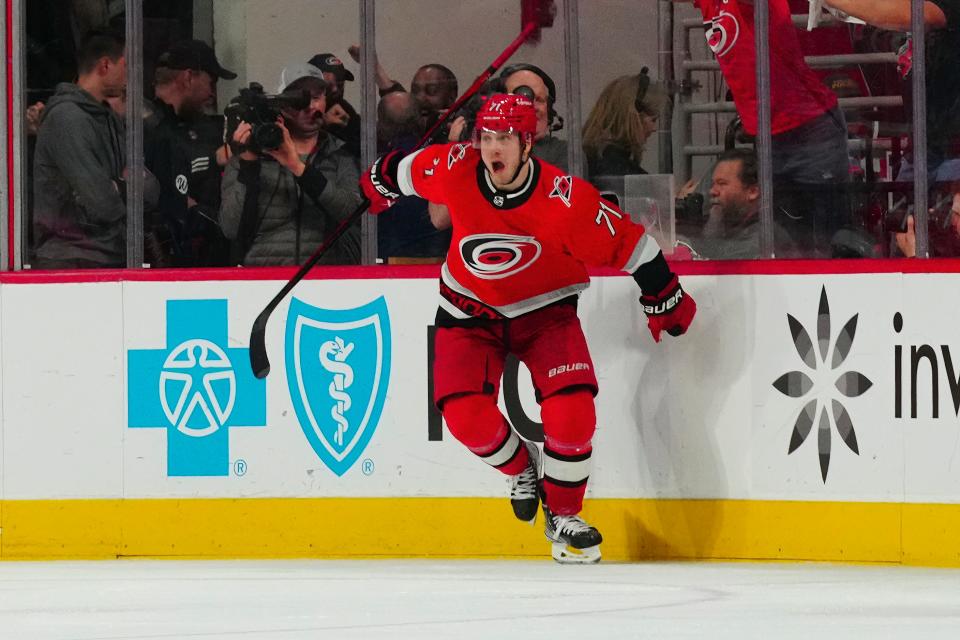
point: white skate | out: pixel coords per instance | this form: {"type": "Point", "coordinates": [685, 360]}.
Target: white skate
{"type": "Point", "coordinates": [574, 541]}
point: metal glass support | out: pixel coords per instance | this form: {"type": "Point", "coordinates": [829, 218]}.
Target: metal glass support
{"type": "Point", "coordinates": [764, 122]}
{"type": "Point", "coordinates": [17, 32]}
{"type": "Point", "coordinates": [919, 87]}
{"type": "Point", "coordinates": [665, 75]}
{"type": "Point", "coordinates": [134, 118]}
{"type": "Point", "coordinates": [571, 46]}
{"type": "Point", "coordinates": [5, 261]}
{"type": "Point", "coordinates": [368, 115]}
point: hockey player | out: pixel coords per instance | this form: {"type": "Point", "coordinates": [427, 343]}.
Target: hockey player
{"type": "Point", "coordinates": [523, 235]}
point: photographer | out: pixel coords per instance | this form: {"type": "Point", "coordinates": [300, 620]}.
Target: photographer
{"type": "Point", "coordinates": [944, 230]}
{"type": "Point", "coordinates": [280, 204]}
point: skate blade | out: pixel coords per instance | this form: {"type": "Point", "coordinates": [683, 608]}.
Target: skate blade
{"type": "Point", "coordinates": [565, 554]}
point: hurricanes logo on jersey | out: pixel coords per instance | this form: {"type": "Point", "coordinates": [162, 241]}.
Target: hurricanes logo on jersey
{"type": "Point", "coordinates": [722, 33]}
{"type": "Point", "coordinates": [457, 153]}
{"type": "Point", "coordinates": [562, 186]}
{"type": "Point", "coordinates": [494, 256]}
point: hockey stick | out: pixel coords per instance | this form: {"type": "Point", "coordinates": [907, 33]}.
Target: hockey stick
{"type": "Point", "coordinates": [259, 362]}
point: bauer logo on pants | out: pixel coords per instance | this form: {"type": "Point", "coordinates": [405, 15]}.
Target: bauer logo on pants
{"type": "Point", "coordinates": [338, 368]}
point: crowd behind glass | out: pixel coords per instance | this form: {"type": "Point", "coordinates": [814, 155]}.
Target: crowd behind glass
{"type": "Point", "coordinates": [263, 180]}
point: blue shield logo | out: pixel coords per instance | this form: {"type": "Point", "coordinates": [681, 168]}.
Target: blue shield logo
{"type": "Point", "coordinates": [338, 368]}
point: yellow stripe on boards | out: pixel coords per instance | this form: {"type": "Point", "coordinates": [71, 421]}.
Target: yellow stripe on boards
{"type": "Point", "coordinates": [633, 530]}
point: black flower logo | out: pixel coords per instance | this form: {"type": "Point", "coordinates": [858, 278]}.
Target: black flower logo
{"type": "Point", "coordinates": [797, 384]}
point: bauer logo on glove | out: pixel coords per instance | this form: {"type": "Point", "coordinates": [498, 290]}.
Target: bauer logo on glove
{"type": "Point", "coordinates": [671, 310]}
{"type": "Point", "coordinates": [379, 183]}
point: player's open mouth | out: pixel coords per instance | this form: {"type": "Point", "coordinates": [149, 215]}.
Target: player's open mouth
{"type": "Point", "coordinates": [496, 166]}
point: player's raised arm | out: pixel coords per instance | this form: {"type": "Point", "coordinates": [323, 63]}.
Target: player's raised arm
{"type": "Point", "coordinates": [421, 173]}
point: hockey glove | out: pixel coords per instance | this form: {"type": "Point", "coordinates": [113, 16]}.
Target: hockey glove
{"type": "Point", "coordinates": [671, 310]}
{"type": "Point", "coordinates": [379, 182]}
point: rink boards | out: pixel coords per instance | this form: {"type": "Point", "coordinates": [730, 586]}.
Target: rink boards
{"type": "Point", "coordinates": [806, 416]}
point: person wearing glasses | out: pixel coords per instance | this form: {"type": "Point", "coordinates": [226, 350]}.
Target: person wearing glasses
{"type": "Point", "coordinates": [620, 123]}
{"type": "Point", "coordinates": [280, 204]}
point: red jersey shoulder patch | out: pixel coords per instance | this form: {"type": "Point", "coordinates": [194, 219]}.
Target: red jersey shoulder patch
{"type": "Point", "coordinates": [457, 153]}
{"type": "Point", "coordinates": [562, 188]}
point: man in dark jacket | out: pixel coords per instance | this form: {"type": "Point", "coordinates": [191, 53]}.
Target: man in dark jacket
{"type": "Point", "coordinates": [79, 210]}
{"type": "Point", "coordinates": [185, 232]}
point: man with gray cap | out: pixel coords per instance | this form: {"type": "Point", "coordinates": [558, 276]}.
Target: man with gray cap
{"type": "Point", "coordinates": [341, 119]}
{"type": "Point", "coordinates": [281, 205]}
{"type": "Point", "coordinates": [184, 231]}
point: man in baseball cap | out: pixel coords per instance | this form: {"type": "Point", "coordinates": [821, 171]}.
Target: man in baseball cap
{"type": "Point", "coordinates": [195, 55]}
{"type": "Point", "coordinates": [329, 63]}
{"type": "Point", "coordinates": [297, 71]}
{"type": "Point", "coordinates": [185, 158]}
{"type": "Point", "coordinates": [341, 118]}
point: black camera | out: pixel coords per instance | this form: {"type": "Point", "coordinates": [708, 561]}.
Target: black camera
{"type": "Point", "coordinates": [261, 110]}
{"type": "Point", "coordinates": [690, 208]}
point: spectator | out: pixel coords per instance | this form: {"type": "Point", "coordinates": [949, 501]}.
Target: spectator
{"type": "Point", "coordinates": [385, 84]}
{"type": "Point", "coordinates": [545, 146]}
{"type": "Point", "coordinates": [185, 231]}
{"type": "Point", "coordinates": [282, 204]}
{"type": "Point", "coordinates": [407, 228]}
{"type": "Point", "coordinates": [942, 22]}
{"type": "Point", "coordinates": [434, 88]}
{"type": "Point", "coordinates": [620, 123]}
{"type": "Point", "coordinates": [732, 230]}
{"type": "Point", "coordinates": [79, 214]}
{"type": "Point", "coordinates": [397, 126]}
{"type": "Point", "coordinates": [341, 119]}
{"type": "Point", "coordinates": [809, 129]}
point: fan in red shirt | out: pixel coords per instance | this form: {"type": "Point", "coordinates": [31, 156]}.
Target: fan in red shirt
{"type": "Point", "coordinates": [523, 236]}
{"type": "Point", "coordinates": [809, 129]}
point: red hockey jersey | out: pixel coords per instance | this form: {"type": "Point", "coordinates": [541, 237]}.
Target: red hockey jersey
{"type": "Point", "coordinates": [514, 252]}
{"type": "Point", "coordinates": [796, 93]}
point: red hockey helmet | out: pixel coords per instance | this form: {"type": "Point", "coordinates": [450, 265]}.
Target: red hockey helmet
{"type": "Point", "coordinates": [506, 112]}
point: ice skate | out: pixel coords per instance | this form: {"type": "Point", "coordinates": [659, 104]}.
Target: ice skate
{"type": "Point", "coordinates": [574, 541]}
{"type": "Point", "coordinates": [524, 487]}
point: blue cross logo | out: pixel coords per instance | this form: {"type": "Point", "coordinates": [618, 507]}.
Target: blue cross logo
{"type": "Point", "coordinates": [196, 388]}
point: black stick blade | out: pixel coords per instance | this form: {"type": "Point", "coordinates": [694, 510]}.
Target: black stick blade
{"type": "Point", "coordinates": [259, 361]}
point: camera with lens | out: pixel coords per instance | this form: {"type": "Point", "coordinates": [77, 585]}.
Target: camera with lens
{"type": "Point", "coordinates": [260, 110]}
{"type": "Point", "coordinates": [689, 208]}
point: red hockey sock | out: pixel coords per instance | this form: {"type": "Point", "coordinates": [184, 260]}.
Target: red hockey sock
{"type": "Point", "coordinates": [569, 420]}
{"type": "Point", "coordinates": [475, 420]}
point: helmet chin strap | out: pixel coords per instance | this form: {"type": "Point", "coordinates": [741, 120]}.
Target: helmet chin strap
{"type": "Point", "coordinates": [522, 164]}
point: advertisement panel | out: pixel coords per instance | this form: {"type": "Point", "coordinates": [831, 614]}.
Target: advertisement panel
{"type": "Point", "coordinates": [811, 390]}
